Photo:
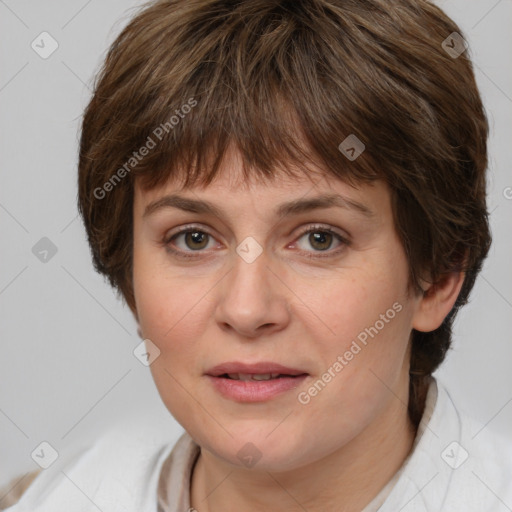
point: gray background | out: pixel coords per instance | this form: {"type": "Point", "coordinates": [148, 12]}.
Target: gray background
{"type": "Point", "coordinates": [66, 363]}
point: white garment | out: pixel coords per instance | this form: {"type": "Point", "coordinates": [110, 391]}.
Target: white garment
{"type": "Point", "coordinates": [455, 465]}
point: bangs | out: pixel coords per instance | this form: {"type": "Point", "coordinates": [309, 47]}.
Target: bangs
{"type": "Point", "coordinates": [266, 85]}
{"type": "Point", "coordinates": [269, 144]}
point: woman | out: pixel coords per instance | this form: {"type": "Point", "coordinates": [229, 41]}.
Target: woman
{"type": "Point", "coordinates": [290, 197]}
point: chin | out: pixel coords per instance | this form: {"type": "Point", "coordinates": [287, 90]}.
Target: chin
{"type": "Point", "coordinates": [258, 448]}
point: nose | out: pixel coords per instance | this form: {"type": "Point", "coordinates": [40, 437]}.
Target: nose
{"type": "Point", "coordinates": [252, 299]}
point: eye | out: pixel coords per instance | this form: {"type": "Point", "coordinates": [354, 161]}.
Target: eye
{"type": "Point", "coordinates": [191, 241]}
{"type": "Point", "coordinates": [321, 239]}
{"type": "Point", "coordinates": [188, 240]}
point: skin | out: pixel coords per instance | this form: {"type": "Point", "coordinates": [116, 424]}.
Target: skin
{"type": "Point", "coordinates": [292, 306]}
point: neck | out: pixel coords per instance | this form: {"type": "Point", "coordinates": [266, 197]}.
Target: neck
{"type": "Point", "coordinates": [344, 481]}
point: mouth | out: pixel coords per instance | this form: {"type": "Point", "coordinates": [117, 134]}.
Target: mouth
{"type": "Point", "coordinates": [255, 382]}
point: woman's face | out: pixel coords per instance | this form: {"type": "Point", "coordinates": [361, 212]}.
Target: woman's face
{"type": "Point", "coordinates": [264, 273]}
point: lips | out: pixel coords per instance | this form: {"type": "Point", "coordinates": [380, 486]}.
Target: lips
{"type": "Point", "coordinates": [253, 371]}
{"type": "Point", "coordinates": [254, 382]}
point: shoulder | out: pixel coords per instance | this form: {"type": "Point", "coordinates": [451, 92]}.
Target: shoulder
{"type": "Point", "coordinates": [117, 472]}
{"type": "Point", "coordinates": [480, 461]}
{"type": "Point", "coordinates": [456, 464]}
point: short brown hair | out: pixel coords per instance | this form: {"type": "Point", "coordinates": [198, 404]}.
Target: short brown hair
{"type": "Point", "coordinates": [286, 81]}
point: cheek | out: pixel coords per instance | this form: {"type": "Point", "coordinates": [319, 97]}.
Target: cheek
{"type": "Point", "coordinates": [166, 301]}
{"type": "Point", "coordinates": [173, 318]}
{"type": "Point", "coordinates": [361, 335]}
{"type": "Point", "coordinates": [353, 304]}
{"type": "Point", "coordinates": [172, 312]}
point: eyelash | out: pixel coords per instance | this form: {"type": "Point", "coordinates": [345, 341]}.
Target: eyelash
{"type": "Point", "coordinates": [311, 229]}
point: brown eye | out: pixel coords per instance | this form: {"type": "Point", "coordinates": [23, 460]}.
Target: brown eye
{"type": "Point", "coordinates": [196, 240]}
{"type": "Point", "coordinates": [189, 241]}
{"type": "Point", "coordinates": [320, 240]}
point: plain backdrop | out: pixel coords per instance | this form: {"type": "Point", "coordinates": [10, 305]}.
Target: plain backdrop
{"type": "Point", "coordinates": [67, 367]}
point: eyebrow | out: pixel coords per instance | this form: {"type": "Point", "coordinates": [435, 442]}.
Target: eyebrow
{"type": "Point", "coordinates": [284, 210]}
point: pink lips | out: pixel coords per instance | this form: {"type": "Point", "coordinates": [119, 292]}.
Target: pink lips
{"type": "Point", "coordinates": [252, 390]}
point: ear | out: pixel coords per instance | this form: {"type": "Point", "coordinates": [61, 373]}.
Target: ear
{"type": "Point", "coordinates": [437, 301]}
